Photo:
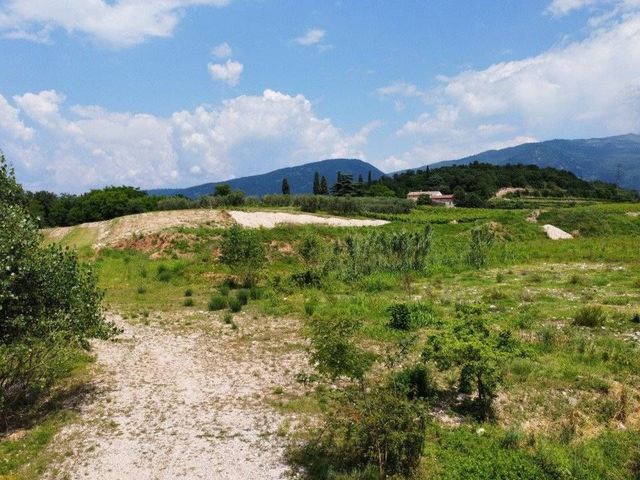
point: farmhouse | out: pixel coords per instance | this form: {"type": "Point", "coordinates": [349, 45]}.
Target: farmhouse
{"type": "Point", "coordinates": [437, 198]}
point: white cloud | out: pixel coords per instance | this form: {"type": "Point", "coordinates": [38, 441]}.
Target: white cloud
{"type": "Point", "coordinates": [10, 122]}
{"type": "Point", "coordinates": [120, 23]}
{"type": "Point", "coordinates": [312, 37]}
{"type": "Point", "coordinates": [222, 51]}
{"type": "Point", "coordinates": [228, 72]}
{"type": "Point", "coordinates": [76, 148]}
{"type": "Point", "coordinates": [563, 7]}
{"type": "Point", "coordinates": [582, 89]}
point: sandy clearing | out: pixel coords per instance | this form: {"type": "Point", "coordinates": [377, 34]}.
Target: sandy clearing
{"type": "Point", "coordinates": [111, 232]}
{"type": "Point", "coordinates": [554, 233]}
{"type": "Point", "coordinates": [271, 219]}
{"type": "Point", "coordinates": [183, 405]}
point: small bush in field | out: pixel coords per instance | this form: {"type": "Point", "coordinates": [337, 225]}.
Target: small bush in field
{"type": "Point", "coordinates": [482, 238]}
{"type": "Point", "coordinates": [499, 277]}
{"type": "Point", "coordinates": [217, 302]}
{"type": "Point", "coordinates": [227, 318]}
{"type": "Point", "coordinates": [590, 316]}
{"type": "Point", "coordinates": [400, 317]}
{"type": "Point", "coordinates": [141, 289]}
{"type": "Point", "coordinates": [224, 289]}
{"type": "Point", "coordinates": [188, 292]}
{"type": "Point", "coordinates": [416, 382]}
{"type": "Point", "coordinates": [636, 318]}
{"type": "Point", "coordinates": [188, 302]}
{"type": "Point", "coordinates": [309, 308]}
{"type": "Point", "coordinates": [243, 296]}
{"type": "Point", "coordinates": [255, 293]}
{"type": "Point", "coordinates": [235, 305]}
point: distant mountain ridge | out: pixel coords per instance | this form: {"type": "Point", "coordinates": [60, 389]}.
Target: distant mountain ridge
{"type": "Point", "coordinates": [300, 178]}
{"type": "Point", "coordinates": [610, 159]}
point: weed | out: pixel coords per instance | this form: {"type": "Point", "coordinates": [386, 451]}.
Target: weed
{"type": "Point", "coordinates": [400, 317]}
{"type": "Point", "coordinates": [224, 289]}
{"type": "Point", "coordinates": [590, 316]}
{"type": "Point", "coordinates": [227, 318]}
{"type": "Point", "coordinates": [188, 302]}
{"type": "Point", "coordinates": [188, 292]}
{"type": "Point", "coordinates": [499, 277]}
{"type": "Point", "coordinates": [141, 289]}
{"type": "Point", "coordinates": [636, 318]}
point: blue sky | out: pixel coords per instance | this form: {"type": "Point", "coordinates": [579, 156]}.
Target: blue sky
{"type": "Point", "coordinates": [178, 92]}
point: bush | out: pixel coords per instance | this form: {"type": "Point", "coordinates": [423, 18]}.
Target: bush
{"type": "Point", "coordinates": [188, 302]}
{"type": "Point", "coordinates": [235, 305]}
{"type": "Point", "coordinates": [141, 289]}
{"type": "Point", "coordinates": [49, 307]}
{"type": "Point", "coordinates": [636, 318]}
{"type": "Point", "coordinates": [188, 292]}
{"type": "Point", "coordinates": [242, 250]}
{"type": "Point", "coordinates": [590, 316]}
{"type": "Point", "coordinates": [217, 302]}
{"type": "Point", "coordinates": [243, 296]}
{"type": "Point", "coordinates": [415, 382]}
{"type": "Point", "coordinates": [482, 239]}
{"type": "Point", "coordinates": [227, 318]}
{"type": "Point", "coordinates": [400, 317]}
{"type": "Point", "coordinates": [375, 435]}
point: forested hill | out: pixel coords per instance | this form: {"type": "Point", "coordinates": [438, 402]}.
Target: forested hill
{"type": "Point", "coordinates": [610, 159]}
{"type": "Point", "coordinates": [300, 179]}
{"type": "Point", "coordinates": [473, 184]}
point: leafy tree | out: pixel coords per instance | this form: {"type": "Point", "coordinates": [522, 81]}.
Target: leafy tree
{"type": "Point", "coordinates": [285, 187]}
{"type": "Point", "coordinates": [49, 306]}
{"type": "Point", "coordinates": [316, 184]}
{"type": "Point", "coordinates": [222, 190]}
{"type": "Point", "coordinates": [469, 347]}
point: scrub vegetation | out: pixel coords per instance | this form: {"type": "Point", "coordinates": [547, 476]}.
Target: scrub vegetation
{"type": "Point", "coordinates": [448, 344]}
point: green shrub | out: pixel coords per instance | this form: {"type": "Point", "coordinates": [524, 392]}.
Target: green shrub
{"type": "Point", "coordinates": [482, 239]}
{"type": "Point", "coordinates": [377, 435]}
{"type": "Point", "coordinates": [227, 318]}
{"type": "Point", "coordinates": [636, 318]}
{"type": "Point", "coordinates": [49, 304]}
{"type": "Point", "coordinates": [400, 317]}
{"type": "Point", "coordinates": [255, 293]}
{"type": "Point", "coordinates": [242, 250]}
{"type": "Point", "coordinates": [416, 382]}
{"type": "Point", "coordinates": [235, 305]}
{"type": "Point", "coordinates": [224, 289]}
{"type": "Point", "coordinates": [141, 289]}
{"type": "Point", "coordinates": [243, 296]}
{"type": "Point", "coordinates": [188, 292]}
{"type": "Point", "coordinates": [217, 302]}
{"type": "Point", "coordinates": [188, 302]}
{"type": "Point", "coordinates": [590, 316]}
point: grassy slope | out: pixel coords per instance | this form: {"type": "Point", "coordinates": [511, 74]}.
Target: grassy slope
{"type": "Point", "coordinates": [560, 407]}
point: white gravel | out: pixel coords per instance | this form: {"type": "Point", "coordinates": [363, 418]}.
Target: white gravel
{"type": "Point", "coordinates": [271, 219]}
{"type": "Point", "coordinates": [188, 406]}
{"type": "Point", "coordinates": [554, 233]}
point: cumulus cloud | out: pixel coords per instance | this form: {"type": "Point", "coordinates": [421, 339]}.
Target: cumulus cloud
{"type": "Point", "coordinates": [586, 88]}
{"type": "Point", "coordinates": [228, 72]}
{"type": "Point", "coordinates": [312, 37]}
{"type": "Point", "coordinates": [79, 147]}
{"type": "Point", "coordinates": [120, 23]}
{"type": "Point", "coordinates": [222, 51]}
{"type": "Point", "coordinates": [11, 124]}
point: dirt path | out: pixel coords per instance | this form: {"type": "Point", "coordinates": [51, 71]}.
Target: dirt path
{"type": "Point", "coordinates": [191, 406]}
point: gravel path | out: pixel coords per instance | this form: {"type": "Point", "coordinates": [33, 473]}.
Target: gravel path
{"type": "Point", "coordinates": [188, 406]}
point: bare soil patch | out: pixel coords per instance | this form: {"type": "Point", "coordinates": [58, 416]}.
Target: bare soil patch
{"type": "Point", "coordinates": [271, 219]}
{"type": "Point", "coordinates": [190, 403]}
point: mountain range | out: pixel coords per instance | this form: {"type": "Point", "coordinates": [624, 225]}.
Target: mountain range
{"type": "Point", "coordinates": [300, 178]}
{"type": "Point", "coordinates": [611, 159]}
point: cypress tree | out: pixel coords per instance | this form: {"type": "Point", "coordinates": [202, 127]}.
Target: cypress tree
{"type": "Point", "coordinates": [360, 178]}
{"type": "Point", "coordinates": [369, 180]}
{"type": "Point", "coordinates": [324, 188]}
{"type": "Point", "coordinates": [316, 184]}
{"type": "Point", "coordinates": [285, 187]}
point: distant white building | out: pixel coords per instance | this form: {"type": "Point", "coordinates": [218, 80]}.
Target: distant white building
{"type": "Point", "coordinates": [437, 198]}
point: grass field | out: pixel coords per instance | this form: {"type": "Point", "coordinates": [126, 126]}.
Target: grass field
{"type": "Point", "coordinates": [569, 406]}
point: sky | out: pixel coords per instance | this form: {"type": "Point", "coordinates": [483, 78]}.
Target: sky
{"type": "Point", "coordinates": [170, 93]}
